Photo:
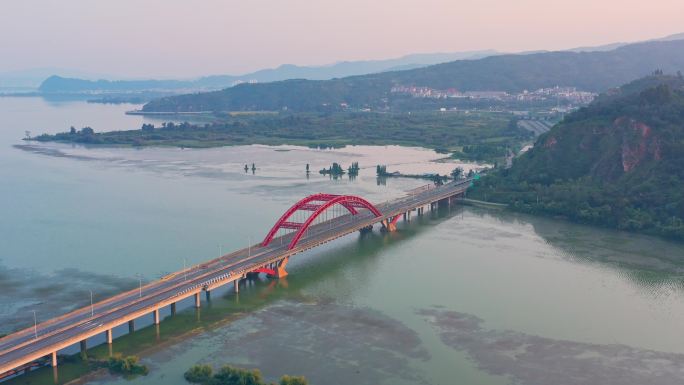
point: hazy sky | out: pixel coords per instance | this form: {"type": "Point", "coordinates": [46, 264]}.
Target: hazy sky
{"type": "Point", "coordinates": [176, 38]}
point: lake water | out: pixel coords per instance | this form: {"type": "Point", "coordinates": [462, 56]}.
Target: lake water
{"type": "Point", "coordinates": [460, 296]}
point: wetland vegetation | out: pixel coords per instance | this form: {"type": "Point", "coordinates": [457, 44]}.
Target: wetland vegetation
{"type": "Point", "coordinates": [482, 136]}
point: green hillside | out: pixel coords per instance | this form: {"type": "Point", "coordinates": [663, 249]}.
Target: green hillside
{"type": "Point", "coordinates": [618, 162]}
{"type": "Point", "coordinates": [589, 71]}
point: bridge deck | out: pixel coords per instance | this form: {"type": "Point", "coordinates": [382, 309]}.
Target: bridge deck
{"type": "Point", "coordinates": [23, 346]}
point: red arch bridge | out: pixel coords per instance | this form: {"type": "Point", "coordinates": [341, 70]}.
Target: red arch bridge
{"type": "Point", "coordinates": [312, 221]}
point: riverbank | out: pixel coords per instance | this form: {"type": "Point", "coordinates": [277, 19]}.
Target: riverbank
{"type": "Point", "coordinates": [484, 204]}
{"type": "Point", "coordinates": [474, 137]}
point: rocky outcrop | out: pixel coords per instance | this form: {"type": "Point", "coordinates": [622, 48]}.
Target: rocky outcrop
{"type": "Point", "coordinates": [638, 143]}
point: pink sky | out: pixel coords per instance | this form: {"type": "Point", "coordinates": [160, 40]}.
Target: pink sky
{"type": "Point", "coordinates": [174, 38]}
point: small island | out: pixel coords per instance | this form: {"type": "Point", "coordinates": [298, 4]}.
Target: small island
{"type": "Point", "coordinates": [336, 170]}
{"type": "Point", "coordinates": [229, 375]}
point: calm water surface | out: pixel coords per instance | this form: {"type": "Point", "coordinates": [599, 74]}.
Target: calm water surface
{"type": "Point", "coordinates": [459, 296]}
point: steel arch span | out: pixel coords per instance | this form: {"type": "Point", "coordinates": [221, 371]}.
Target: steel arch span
{"type": "Point", "coordinates": [316, 204]}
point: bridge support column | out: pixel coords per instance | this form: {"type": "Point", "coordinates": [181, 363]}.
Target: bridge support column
{"type": "Point", "coordinates": [173, 308]}
{"type": "Point", "coordinates": [280, 268]}
{"type": "Point", "coordinates": [236, 286]}
{"type": "Point", "coordinates": [108, 336]}
{"type": "Point", "coordinates": [84, 347]}
{"type": "Point", "coordinates": [131, 326]}
{"type": "Point", "coordinates": [155, 315]}
{"type": "Point", "coordinates": [53, 357]}
{"type": "Point", "coordinates": [207, 295]}
{"type": "Point", "coordinates": [198, 302]}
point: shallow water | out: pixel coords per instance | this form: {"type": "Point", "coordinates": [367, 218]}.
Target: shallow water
{"type": "Point", "coordinates": [459, 296]}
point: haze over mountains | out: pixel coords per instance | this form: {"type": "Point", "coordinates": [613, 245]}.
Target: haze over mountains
{"type": "Point", "coordinates": [69, 80]}
{"type": "Point", "coordinates": [594, 71]}
{"type": "Point", "coordinates": [58, 83]}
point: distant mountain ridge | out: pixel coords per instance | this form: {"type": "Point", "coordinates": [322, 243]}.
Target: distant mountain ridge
{"type": "Point", "coordinates": [589, 71]}
{"type": "Point", "coordinates": [56, 83]}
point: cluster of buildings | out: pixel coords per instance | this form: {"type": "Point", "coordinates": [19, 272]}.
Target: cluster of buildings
{"type": "Point", "coordinates": [250, 81]}
{"type": "Point", "coordinates": [570, 94]}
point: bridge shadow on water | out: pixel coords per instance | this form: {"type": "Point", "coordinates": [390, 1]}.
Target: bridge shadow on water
{"type": "Point", "coordinates": [356, 253]}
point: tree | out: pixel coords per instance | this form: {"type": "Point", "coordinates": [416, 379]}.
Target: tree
{"type": "Point", "coordinates": [126, 365]}
{"type": "Point", "coordinates": [293, 380]}
{"type": "Point", "coordinates": [87, 131]}
{"type": "Point", "coordinates": [457, 173]}
{"type": "Point", "coordinates": [72, 130]}
{"type": "Point", "coordinates": [381, 170]}
{"type": "Point", "coordinates": [199, 374]}
{"type": "Point", "coordinates": [229, 375]}
{"type": "Point", "coordinates": [147, 127]}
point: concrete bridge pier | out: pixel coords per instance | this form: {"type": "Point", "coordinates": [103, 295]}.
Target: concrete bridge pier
{"type": "Point", "coordinates": [173, 308]}
{"type": "Point", "coordinates": [198, 302]}
{"type": "Point", "coordinates": [280, 267]}
{"type": "Point", "coordinates": [236, 286]}
{"type": "Point", "coordinates": [207, 295]}
{"type": "Point", "coordinates": [155, 316]}
{"type": "Point", "coordinates": [84, 347]}
{"type": "Point", "coordinates": [108, 336]}
{"type": "Point", "coordinates": [131, 326]}
{"type": "Point", "coordinates": [53, 358]}
{"type": "Point", "coordinates": [252, 276]}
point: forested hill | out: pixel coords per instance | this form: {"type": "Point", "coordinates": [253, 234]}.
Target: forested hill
{"type": "Point", "coordinates": [618, 162]}
{"type": "Point", "coordinates": [588, 71]}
